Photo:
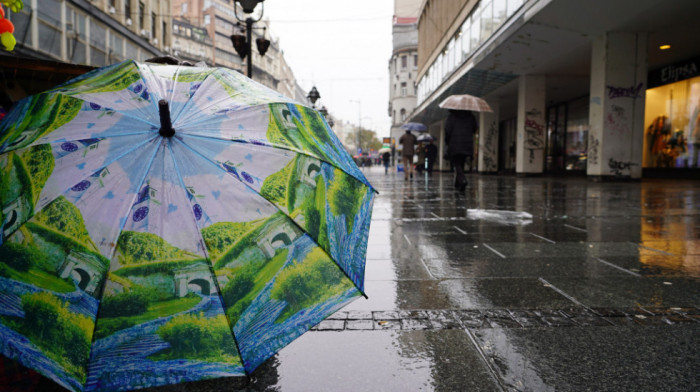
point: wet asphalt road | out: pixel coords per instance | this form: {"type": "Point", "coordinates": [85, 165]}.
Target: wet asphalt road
{"type": "Point", "coordinates": [599, 290]}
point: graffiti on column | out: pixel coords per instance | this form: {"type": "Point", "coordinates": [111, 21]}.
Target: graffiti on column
{"type": "Point", "coordinates": [593, 145]}
{"type": "Point", "coordinates": [534, 132]}
{"type": "Point", "coordinates": [616, 120]}
{"type": "Point", "coordinates": [625, 92]}
{"type": "Point", "coordinates": [619, 167]}
{"type": "Point", "coordinates": [489, 151]}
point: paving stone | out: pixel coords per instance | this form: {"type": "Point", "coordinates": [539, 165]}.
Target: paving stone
{"type": "Point", "coordinates": [472, 318]}
{"type": "Point", "coordinates": [591, 321]}
{"type": "Point", "coordinates": [415, 324]}
{"type": "Point", "coordinates": [558, 321]}
{"type": "Point", "coordinates": [359, 315]}
{"type": "Point", "coordinates": [391, 315]}
{"type": "Point", "coordinates": [528, 319]}
{"type": "Point", "coordinates": [331, 325]}
{"type": "Point", "coordinates": [387, 324]}
{"type": "Point", "coordinates": [413, 314]}
{"type": "Point", "coordinates": [341, 315]}
{"type": "Point", "coordinates": [363, 325]}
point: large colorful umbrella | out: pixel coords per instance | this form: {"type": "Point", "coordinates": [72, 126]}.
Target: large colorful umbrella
{"type": "Point", "coordinates": [164, 224]}
{"type": "Point", "coordinates": [465, 102]}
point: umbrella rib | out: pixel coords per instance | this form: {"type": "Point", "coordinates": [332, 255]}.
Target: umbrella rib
{"type": "Point", "coordinates": [280, 147]}
{"type": "Point", "coordinates": [193, 113]}
{"type": "Point", "coordinates": [140, 184]}
{"type": "Point", "coordinates": [203, 244]}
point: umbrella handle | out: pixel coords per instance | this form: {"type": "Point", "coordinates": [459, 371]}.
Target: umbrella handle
{"type": "Point", "coordinates": [166, 126]}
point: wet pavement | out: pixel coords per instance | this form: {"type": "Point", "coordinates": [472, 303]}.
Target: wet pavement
{"type": "Point", "coordinates": [596, 288]}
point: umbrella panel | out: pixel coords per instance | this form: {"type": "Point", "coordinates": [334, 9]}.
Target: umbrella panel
{"type": "Point", "coordinates": [267, 265]}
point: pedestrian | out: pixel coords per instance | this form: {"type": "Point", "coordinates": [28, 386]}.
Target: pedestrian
{"type": "Point", "coordinates": [386, 157]}
{"type": "Point", "coordinates": [420, 151]}
{"type": "Point", "coordinates": [430, 155]}
{"type": "Point", "coordinates": [407, 141]}
{"type": "Point", "coordinates": [460, 127]}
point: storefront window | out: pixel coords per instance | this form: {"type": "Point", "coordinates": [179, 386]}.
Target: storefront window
{"type": "Point", "coordinates": [577, 134]}
{"type": "Point", "coordinates": [672, 125]}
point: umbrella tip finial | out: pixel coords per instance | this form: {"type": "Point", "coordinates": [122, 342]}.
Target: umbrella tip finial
{"type": "Point", "coordinates": [166, 126]}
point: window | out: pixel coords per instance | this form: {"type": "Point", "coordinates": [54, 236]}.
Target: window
{"type": "Point", "coordinates": [142, 9]}
{"type": "Point", "coordinates": [76, 39]}
{"type": "Point", "coordinates": [207, 19]}
{"type": "Point", "coordinates": [132, 51]}
{"type": "Point", "coordinates": [415, 61]}
{"type": "Point", "coordinates": [403, 115]}
{"type": "Point", "coordinates": [98, 43]}
{"type": "Point", "coordinates": [184, 8]}
{"type": "Point", "coordinates": [404, 62]}
{"type": "Point", "coordinates": [116, 48]}
{"type": "Point", "coordinates": [49, 32]}
{"type": "Point", "coordinates": [127, 10]}
{"type": "Point", "coordinates": [403, 89]}
{"type": "Point", "coordinates": [153, 24]}
{"type": "Point", "coordinates": [165, 35]}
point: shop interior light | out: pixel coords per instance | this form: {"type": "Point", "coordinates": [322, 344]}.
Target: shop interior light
{"type": "Point", "coordinates": [665, 47]}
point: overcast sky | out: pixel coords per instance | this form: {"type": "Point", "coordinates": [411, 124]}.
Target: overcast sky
{"type": "Point", "coordinates": [343, 48]}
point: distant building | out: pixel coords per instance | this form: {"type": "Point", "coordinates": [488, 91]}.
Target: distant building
{"type": "Point", "coordinates": [218, 18]}
{"type": "Point", "coordinates": [403, 65]}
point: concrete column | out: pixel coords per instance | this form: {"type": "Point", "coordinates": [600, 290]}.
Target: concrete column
{"type": "Point", "coordinates": [616, 118]}
{"type": "Point", "coordinates": [488, 139]}
{"type": "Point", "coordinates": [530, 128]}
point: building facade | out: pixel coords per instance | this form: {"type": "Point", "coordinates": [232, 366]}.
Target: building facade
{"type": "Point", "coordinates": [403, 65]}
{"type": "Point", "coordinates": [578, 87]}
{"type": "Point", "coordinates": [94, 33]}
{"type": "Point", "coordinates": [218, 18]}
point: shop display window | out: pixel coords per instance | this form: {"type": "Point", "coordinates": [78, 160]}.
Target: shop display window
{"type": "Point", "coordinates": [672, 125]}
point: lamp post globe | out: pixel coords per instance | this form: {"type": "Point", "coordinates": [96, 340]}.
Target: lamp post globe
{"type": "Point", "coordinates": [249, 5]}
{"type": "Point", "coordinates": [313, 96]}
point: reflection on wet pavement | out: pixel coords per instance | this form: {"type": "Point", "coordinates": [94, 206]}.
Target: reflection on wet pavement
{"type": "Point", "coordinates": [597, 290]}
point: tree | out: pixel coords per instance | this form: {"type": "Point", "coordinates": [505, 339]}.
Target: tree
{"type": "Point", "coordinates": [368, 140]}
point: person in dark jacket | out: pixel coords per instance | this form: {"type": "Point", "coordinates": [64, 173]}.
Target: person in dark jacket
{"type": "Point", "coordinates": [430, 155]}
{"type": "Point", "coordinates": [460, 127]}
{"type": "Point", "coordinates": [386, 157]}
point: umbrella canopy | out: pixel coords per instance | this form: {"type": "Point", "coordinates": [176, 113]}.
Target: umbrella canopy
{"type": "Point", "coordinates": [425, 138]}
{"type": "Point", "coordinates": [383, 150]}
{"type": "Point", "coordinates": [164, 224]}
{"type": "Point", "coordinates": [414, 127]}
{"type": "Point", "coordinates": [465, 102]}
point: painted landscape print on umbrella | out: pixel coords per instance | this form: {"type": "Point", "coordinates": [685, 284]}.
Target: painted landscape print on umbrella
{"type": "Point", "coordinates": [132, 260]}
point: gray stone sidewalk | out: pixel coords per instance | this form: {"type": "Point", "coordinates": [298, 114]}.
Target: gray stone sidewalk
{"type": "Point", "coordinates": [599, 290]}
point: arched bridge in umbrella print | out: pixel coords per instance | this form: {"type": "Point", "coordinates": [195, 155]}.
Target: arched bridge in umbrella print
{"type": "Point", "coordinates": [278, 232]}
{"type": "Point", "coordinates": [84, 269]}
{"type": "Point", "coordinates": [307, 170]}
{"type": "Point", "coordinates": [193, 277]}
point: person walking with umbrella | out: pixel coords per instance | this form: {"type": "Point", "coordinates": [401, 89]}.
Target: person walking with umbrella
{"type": "Point", "coordinates": [459, 136]}
{"type": "Point", "coordinates": [430, 155]}
{"type": "Point", "coordinates": [460, 127]}
{"type": "Point", "coordinates": [408, 141]}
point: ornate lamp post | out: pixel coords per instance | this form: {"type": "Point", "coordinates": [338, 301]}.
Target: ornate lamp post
{"type": "Point", "coordinates": [313, 96]}
{"type": "Point", "coordinates": [241, 43]}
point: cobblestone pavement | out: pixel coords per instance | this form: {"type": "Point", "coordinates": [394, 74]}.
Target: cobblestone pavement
{"type": "Point", "coordinates": [516, 284]}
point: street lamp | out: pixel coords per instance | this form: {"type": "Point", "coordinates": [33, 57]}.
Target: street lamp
{"type": "Point", "coordinates": [241, 43]}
